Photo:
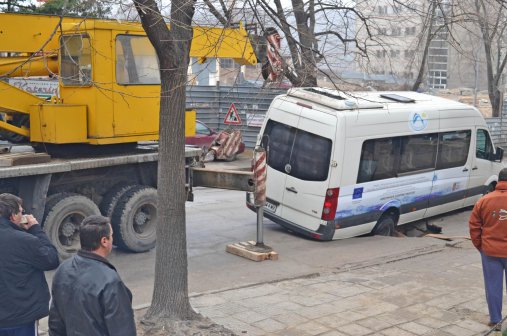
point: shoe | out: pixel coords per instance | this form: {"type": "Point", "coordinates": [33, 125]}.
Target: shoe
{"type": "Point", "coordinates": [496, 326]}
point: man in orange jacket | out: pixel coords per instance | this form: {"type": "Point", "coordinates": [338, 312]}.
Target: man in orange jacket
{"type": "Point", "coordinates": [488, 230]}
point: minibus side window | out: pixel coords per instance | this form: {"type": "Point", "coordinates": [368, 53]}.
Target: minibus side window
{"type": "Point", "coordinates": [379, 158]}
{"type": "Point", "coordinates": [484, 147]}
{"type": "Point", "coordinates": [453, 149]}
{"type": "Point", "coordinates": [418, 152]}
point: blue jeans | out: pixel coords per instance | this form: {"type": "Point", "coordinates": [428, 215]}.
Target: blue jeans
{"type": "Point", "coordinates": [22, 330]}
{"type": "Point", "coordinates": [493, 269]}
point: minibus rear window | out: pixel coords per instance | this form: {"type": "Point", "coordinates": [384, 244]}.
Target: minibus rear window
{"type": "Point", "coordinates": [297, 153]}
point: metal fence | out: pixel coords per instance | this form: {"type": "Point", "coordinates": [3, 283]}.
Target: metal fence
{"type": "Point", "coordinates": [213, 104]}
{"type": "Point", "coordinates": [498, 130]}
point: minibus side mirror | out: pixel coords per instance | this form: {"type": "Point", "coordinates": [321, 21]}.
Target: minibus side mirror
{"type": "Point", "coordinates": [497, 157]}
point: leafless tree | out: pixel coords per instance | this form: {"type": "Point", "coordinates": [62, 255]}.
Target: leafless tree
{"type": "Point", "coordinates": [490, 16]}
{"type": "Point", "coordinates": [312, 31]}
{"type": "Point", "coordinates": [170, 295]}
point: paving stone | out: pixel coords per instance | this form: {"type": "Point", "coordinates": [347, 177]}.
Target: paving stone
{"type": "Point", "coordinates": [312, 328]}
{"type": "Point", "coordinates": [204, 301]}
{"type": "Point", "coordinates": [333, 333]}
{"type": "Point", "coordinates": [374, 324]}
{"type": "Point", "coordinates": [458, 331]}
{"type": "Point", "coordinates": [397, 317]}
{"type": "Point", "coordinates": [335, 321]}
{"type": "Point", "coordinates": [290, 318]}
{"type": "Point", "coordinates": [415, 328]}
{"type": "Point", "coordinates": [473, 325]}
{"type": "Point", "coordinates": [355, 329]}
{"type": "Point", "coordinates": [239, 327]}
{"type": "Point", "coordinates": [250, 316]}
{"type": "Point", "coordinates": [394, 331]}
{"type": "Point", "coordinates": [431, 322]}
{"type": "Point", "coordinates": [316, 312]}
{"type": "Point", "coordinates": [269, 325]}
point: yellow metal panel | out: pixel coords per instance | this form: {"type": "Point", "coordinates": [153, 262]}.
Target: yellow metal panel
{"type": "Point", "coordinates": [190, 117]}
{"type": "Point", "coordinates": [14, 99]}
{"type": "Point", "coordinates": [21, 67]}
{"type": "Point", "coordinates": [136, 109]}
{"type": "Point", "coordinates": [58, 124]}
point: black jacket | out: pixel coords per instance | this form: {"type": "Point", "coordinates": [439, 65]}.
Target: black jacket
{"type": "Point", "coordinates": [90, 299]}
{"type": "Point", "coordinates": [24, 256]}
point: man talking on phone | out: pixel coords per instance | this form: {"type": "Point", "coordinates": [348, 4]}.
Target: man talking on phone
{"type": "Point", "coordinates": [25, 253]}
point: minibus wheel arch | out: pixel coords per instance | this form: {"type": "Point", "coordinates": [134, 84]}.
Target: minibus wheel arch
{"type": "Point", "coordinates": [386, 224]}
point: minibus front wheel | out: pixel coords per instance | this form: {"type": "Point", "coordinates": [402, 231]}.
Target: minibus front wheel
{"type": "Point", "coordinates": [385, 225]}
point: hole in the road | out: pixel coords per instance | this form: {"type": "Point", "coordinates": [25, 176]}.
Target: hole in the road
{"type": "Point", "coordinates": [417, 229]}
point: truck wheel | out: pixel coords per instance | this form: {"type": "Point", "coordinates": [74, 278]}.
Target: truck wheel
{"type": "Point", "coordinates": [111, 198]}
{"type": "Point", "coordinates": [62, 217]}
{"type": "Point", "coordinates": [385, 226]}
{"type": "Point", "coordinates": [134, 219]}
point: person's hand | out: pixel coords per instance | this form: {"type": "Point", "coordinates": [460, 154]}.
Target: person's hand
{"type": "Point", "coordinates": [30, 221]}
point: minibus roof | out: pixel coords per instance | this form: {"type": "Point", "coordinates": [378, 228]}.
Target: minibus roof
{"type": "Point", "coordinates": [341, 100]}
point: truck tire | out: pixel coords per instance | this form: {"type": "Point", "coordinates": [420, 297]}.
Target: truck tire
{"type": "Point", "coordinates": [62, 217]}
{"type": "Point", "coordinates": [135, 219]}
{"type": "Point", "coordinates": [111, 198]}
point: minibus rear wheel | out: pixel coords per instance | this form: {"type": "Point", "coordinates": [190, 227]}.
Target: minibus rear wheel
{"type": "Point", "coordinates": [385, 225]}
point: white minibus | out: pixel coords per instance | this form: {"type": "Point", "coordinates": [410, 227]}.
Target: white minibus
{"type": "Point", "coordinates": [346, 164]}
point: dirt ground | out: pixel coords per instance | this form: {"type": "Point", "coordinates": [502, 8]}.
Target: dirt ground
{"type": "Point", "coordinates": [466, 96]}
{"type": "Point", "coordinates": [203, 327]}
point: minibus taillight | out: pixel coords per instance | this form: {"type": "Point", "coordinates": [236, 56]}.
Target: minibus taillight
{"type": "Point", "coordinates": [330, 204]}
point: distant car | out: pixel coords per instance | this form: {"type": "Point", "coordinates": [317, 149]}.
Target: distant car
{"type": "Point", "coordinates": [211, 142]}
{"type": "Point", "coordinates": [204, 136]}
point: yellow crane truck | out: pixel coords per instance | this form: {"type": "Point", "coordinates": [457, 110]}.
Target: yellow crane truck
{"type": "Point", "coordinates": [108, 94]}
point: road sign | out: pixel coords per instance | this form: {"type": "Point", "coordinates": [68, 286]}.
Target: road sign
{"type": "Point", "coordinates": [232, 117]}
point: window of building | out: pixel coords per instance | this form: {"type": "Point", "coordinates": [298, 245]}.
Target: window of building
{"type": "Point", "coordinates": [228, 63]}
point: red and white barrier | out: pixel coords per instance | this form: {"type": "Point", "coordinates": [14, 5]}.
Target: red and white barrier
{"type": "Point", "coordinates": [260, 170]}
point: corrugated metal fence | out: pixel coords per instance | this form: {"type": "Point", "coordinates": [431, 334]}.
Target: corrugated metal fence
{"type": "Point", "coordinates": [213, 103]}
{"type": "Point", "coordinates": [498, 130]}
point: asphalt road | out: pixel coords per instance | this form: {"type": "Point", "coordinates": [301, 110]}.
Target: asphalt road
{"type": "Point", "coordinates": [219, 217]}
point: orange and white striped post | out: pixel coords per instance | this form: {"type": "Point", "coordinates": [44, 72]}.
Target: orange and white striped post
{"type": "Point", "coordinates": [259, 169]}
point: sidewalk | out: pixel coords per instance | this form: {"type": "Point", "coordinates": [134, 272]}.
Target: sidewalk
{"type": "Point", "coordinates": [439, 293]}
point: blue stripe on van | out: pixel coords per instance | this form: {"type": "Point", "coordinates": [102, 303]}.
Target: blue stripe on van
{"type": "Point", "coordinates": [326, 232]}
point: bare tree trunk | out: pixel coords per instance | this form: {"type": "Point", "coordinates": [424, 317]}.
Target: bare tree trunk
{"type": "Point", "coordinates": [170, 293]}
{"type": "Point", "coordinates": [429, 37]}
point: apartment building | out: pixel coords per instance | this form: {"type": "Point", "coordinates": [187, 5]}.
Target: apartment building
{"type": "Point", "coordinates": [398, 39]}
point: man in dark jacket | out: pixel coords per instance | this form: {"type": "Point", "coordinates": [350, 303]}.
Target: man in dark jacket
{"type": "Point", "coordinates": [25, 253]}
{"type": "Point", "coordinates": [89, 298]}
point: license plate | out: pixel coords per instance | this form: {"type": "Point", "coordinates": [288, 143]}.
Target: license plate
{"type": "Point", "coordinates": [270, 207]}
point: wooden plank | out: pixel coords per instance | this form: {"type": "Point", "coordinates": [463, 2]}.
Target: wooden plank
{"type": "Point", "coordinates": [444, 237]}
{"type": "Point", "coordinates": [17, 159]}
{"type": "Point", "coordinates": [244, 249]}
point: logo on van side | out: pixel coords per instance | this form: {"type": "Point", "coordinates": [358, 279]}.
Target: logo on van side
{"type": "Point", "coordinates": [418, 121]}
